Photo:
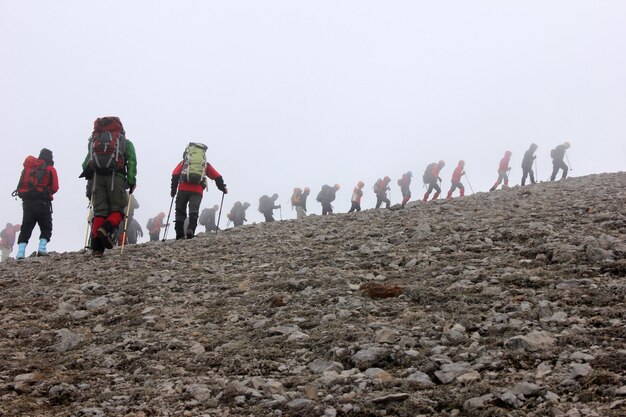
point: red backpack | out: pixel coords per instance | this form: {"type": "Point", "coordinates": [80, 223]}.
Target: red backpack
{"type": "Point", "coordinates": [107, 146]}
{"type": "Point", "coordinates": [33, 181]}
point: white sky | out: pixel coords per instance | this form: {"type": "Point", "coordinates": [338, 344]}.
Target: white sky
{"type": "Point", "coordinates": [293, 93]}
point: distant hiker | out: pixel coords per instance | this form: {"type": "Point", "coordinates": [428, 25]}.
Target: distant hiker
{"type": "Point", "coordinates": [298, 201]}
{"type": "Point", "coordinates": [503, 171]}
{"type": "Point", "coordinates": [405, 187]}
{"type": "Point", "coordinates": [527, 164]}
{"type": "Point", "coordinates": [207, 218]}
{"type": "Point", "coordinates": [36, 187]}
{"type": "Point", "coordinates": [7, 240]}
{"type": "Point", "coordinates": [326, 196]}
{"type": "Point", "coordinates": [155, 225]}
{"type": "Point", "coordinates": [432, 179]}
{"type": "Point", "coordinates": [557, 155]}
{"type": "Point", "coordinates": [357, 194]}
{"type": "Point", "coordinates": [134, 204]}
{"type": "Point", "coordinates": [133, 232]}
{"type": "Point", "coordinates": [459, 171]}
{"type": "Point", "coordinates": [189, 179]}
{"type": "Point", "coordinates": [381, 186]}
{"type": "Point", "coordinates": [111, 164]}
{"type": "Point", "coordinates": [267, 205]}
{"type": "Point", "coordinates": [237, 214]}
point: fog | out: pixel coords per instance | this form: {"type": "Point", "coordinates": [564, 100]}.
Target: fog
{"type": "Point", "coordinates": [290, 93]}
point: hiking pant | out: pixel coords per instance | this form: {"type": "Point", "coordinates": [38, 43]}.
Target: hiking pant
{"type": "Point", "coordinates": [155, 236]}
{"type": "Point", "coordinates": [184, 198]}
{"type": "Point", "coordinates": [502, 176]}
{"type": "Point", "coordinates": [382, 199]}
{"type": "Point", "coordinates": [237, 223]}
{"type": "Point", "coordinates": [432, 186]}
{"type": "Point", "coordinates": [355, 207]}
{"type": "Point", "coordinates": [4, 253]}
{"type": "Point", "coordinates": [528, 172]}
{"type": "Point", "coordinates": [327, 208]}
{"type": "Point", "coordinates": [269, 216]}
{"type": "Point", "coordinates": [36, 212]}
{"type": "Point", "coordinates": [406, 195]}
{"type": "Point", "coordinates": [300, 213]}
{"type": "Point", "coordinates": [556, 165]}
{"type": "Point", "coordinates": [456, 185]}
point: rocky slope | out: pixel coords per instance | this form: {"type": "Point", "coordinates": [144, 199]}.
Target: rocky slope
{"type": "Point", "coordinates": [502, 304]}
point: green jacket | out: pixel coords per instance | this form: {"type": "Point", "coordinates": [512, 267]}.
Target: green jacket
{"type": "Point", "coordinates": [131, 163]}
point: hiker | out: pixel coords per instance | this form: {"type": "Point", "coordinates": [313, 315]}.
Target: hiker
{"type": "Point", "coordinates": [207, 218]}
{"type": "Point", "coordinates": [7, 240]}
{"type": "Point", "coordinates": [557, 155]}
{"type": "Point", "coordinates": [298, 201]}
{"type": "Point", "coordinates": [326, 196]}
{"type": "Point", "coordinates": [132, 206]}
{"type": "Point", "coordinates": [381, 186]}
{"type": "Point", "coordinates": [37, 186]}
{"type": "Point", "coordinates": [459, 171]}
{"type": "Point", "coordinates": [237, 214]}
{"type": "Point", "coordinates": [155, 225]}
{"type": "Point", "coordinates": [357, 194]}
{"type": "Point", "coordinates": [189, 179]}
{"type": "Point", "coordinates": [432, 179]}
{"type": "Point", "coordinates": [527, 164]}
{"type": "Point", "coordinates": [133, 232]}
{"type": "Point", "coordinates": [405, 187]}
{"type": "Point", "coordinates": [111, 165]}
{"type": "Point", "coordinates": [267, 205]}
{"type": "Point", "coordinates": [503, 171]}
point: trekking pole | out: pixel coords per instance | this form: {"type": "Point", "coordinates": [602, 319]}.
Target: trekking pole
{"type": "Point", "coordinates": [90, 209]}
{"type": "Point", "coordinates": [569, 163]}
{"type": "Point", "coordinates": [217, 227]}
{"type": "Point", "coordinates": [130, 198]}
{"type": "Point", "coordinates": [167, 223]}
{"type": "Point", "coordinates": [468, 183]}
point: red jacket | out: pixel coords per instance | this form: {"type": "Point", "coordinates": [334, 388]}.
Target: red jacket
{"type": "Point", "coordinates": [405, 181]}
{"type": "Point", "coordinates": [504, 163]}
{"type": "Point", "coordinates": [436, 170]}
{"type": "Point", "coordinates": [195, 188]}
{"type": "Point", "coordinates": [457, 174]}
{"type": "Point", "coordinates": [8, 236]}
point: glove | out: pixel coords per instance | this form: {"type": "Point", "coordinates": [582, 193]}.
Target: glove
{"type": "Point", "coordinates": [219, 182]}
{"type": "Point", "coordinates": [173, 193]}
{"type": "Point", "coordinates": [132, 188]}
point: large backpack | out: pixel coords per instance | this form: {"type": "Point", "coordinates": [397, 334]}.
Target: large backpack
{"type": "Point", "coordinates": [378, 186]}
{"type": "Point", "coordinates": [107, 146]}
{"type": "Point", "coordinates": [265, 204]}
{"type": "Point", "coordinates": [553, 153]}
{"type": "Point", "coordinates": [326, 194]}
{"type": "Point", "coordinates": [32, 182]}
{"type": "Point", "coordinates": [194, 163]}
{"type": "Point", "coordinates": [295, 197]}
{"type": "Point", "coordinates": [428, 176]}
{"type": "Point", "coordinates": [150, 224]}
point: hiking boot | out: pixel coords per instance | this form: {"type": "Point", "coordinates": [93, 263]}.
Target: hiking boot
{"type": "Point", "coordinates": [190, 234]}
{"type": "Point", "coordinates": [105, 238]}
{"type": "Point", "coordinates": [97, 253]}
{"type": "Point", "coordinates": [21, 251]}
{"type": "Point", "coordinates": [41, 251]}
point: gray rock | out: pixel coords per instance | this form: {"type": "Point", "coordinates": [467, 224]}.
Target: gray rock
{"type": "Point", "coordinates": [511, 399]}
{"type": "Point", "coordinates": [90, 412]}
{"type": "Point", "coordinates": [478, 402]}
{"type": "Point", "coordinates": [367, 358]}
{"type": "Point", "coordinates": [578, 370]}
{"type": "Point", "coordinates": [67, 340]}
{"type": "Point", "coordinates": [391, 398]}
{"type": "Point", "coordinates": [299, 404]}
{"type": "Point", "coordinates": [420, 378]}
{"type": "Point", "coordinates": [527, 389]}
{"type": "Point", "coordinates": [449, 372]}
{"type": "Point", "coordinates": [96, 303]}
{"type": "Point", "coordinates": [319, 366]}
{"type": "Point", "coordinates": [533, 341]}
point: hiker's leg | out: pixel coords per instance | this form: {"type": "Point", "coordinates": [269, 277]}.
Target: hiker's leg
{"type": "Point", "coordinates": [182, 198]}
{"type": "Point", "coordinates": [194, 208]}
{"type": "Point", "coordinates": [565, 170]}
{"type": "Point", "coordinates": [555, 170]}
{"type": "Point", "coordinates": [29, 220]}
{"type": "Point", "coordinates": [44, 218]}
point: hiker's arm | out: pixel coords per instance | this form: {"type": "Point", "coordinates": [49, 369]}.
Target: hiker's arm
{"type": "Point", "coordinates": [131, 164]}
{"type": "Point", "coordinates": [54, 180]}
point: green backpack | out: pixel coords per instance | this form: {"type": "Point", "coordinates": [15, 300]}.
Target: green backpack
{"type": "Point", "coordinates": [194, 163]}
